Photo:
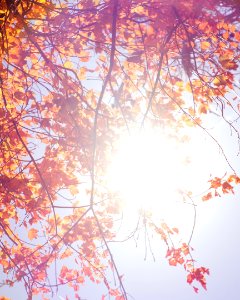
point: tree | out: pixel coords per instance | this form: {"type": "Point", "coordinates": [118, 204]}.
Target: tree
{"type": "Point", "coordinates": [74, 76]}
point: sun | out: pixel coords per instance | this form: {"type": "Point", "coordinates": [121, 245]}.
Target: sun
{"type": "Point", "coordinates": [154, 172]}
{"type": "Point", "coordinates": [146, 172]}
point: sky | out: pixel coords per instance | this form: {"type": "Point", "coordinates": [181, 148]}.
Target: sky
{"type": "Point", "coordinates": [216, 246]}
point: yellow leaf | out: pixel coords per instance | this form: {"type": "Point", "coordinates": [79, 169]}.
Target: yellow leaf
{"type": "Point", "coordinates": [138, 10]}
{"type": "Point", "coordinates": [220, 80]}
{"type": "Point", "coordinates": [205, 45]}
{"type": "Point", "coordinates": [66, 253]}
{"type": "Point", "coordinates": [179, 84]}
{"type": "Point", "coordinates": [82, 73]}
{"type": "Point", "coordinates": [227, 63]}
{"type": "Point", "coordinates": [32, 233]}
{"type": "Point", "coordinates": [68, 64]}
{"type": "Point", "coordinates": [203, 109]}
{"type": "Point", "coordinates": [74, 190]}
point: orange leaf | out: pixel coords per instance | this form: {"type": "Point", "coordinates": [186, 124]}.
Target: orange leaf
{"type": "Point", "coordinates": [32, 233]}
{"type": "Point", "coordinates": [205, 45]}
{"type": "Point", "coordinates": [228, 63]}
{"type": "Point", "coordinates": [207, 197]}
{"type": "Point", "coordinates": [203, 109]}
{"type": "Point", "coordinates": [226, 187]}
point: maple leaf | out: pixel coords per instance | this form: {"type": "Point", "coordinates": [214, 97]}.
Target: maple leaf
{"type": "Point", "coordinates": [227, 63]}
{"type": "Point", "coordinates": [32, 233]}
{"type": "Point", "coordinates": [203, 109]}
{"type": "Point", "coordinates": [216, 183]}
{"type": "Point", "coordinates": [226, 187]}
{"type": "Point", "coordinates": [205, 45]}
{"type": "Point", "coordinates": [207, 197]}
{"type": "Point", "coordinates": [234, 178]}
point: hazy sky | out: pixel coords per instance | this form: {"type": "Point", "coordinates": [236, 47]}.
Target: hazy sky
{"type": "Point", "coordinates": [215, 240]}
{"type": "Point", "coordinates": [217, 246]}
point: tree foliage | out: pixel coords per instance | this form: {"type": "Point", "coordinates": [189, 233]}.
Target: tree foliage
{"type": "Point", "coordinates": [73, 75]}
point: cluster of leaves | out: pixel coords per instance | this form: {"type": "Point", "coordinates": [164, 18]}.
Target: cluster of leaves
{"type": "Point", "coordinates": [219, 186]}
{"type": "Point", "coordinates": [73, 75]}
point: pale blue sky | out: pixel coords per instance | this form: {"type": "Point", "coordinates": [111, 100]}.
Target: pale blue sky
{"type": "Point", "coordinates": [217, 246]}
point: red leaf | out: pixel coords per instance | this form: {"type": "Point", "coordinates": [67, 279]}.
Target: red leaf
{"type": "Point", "coordinates": [195, 289]}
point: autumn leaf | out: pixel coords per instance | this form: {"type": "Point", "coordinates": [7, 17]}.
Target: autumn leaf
{"type": "Point", "coordinates": [205, 45]}
{"type": "Point", "coordinates": [227, 63]}
{"type": "Point", "coordinates": [75, 77]}
{"type": "Point", "coordinates": [203, 109]}
{"type": "Point", "coordinates": [195, 289]}
{"type": "Point", "coordinates": [68, 64]}
{"type": "Point", "coordinates": [216, 183]}
{"type": "Point", "coordinates": [207, 197]}
{"type": "Point", "coordinates": [226, 187]}
{"type": "Point", "coordinates": [32, 233]}
{"type": "Point", "coordinates": [234, 178]}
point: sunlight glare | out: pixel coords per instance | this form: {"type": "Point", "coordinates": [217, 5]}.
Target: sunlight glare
{"type": "Point", "coordinates": [151, 172]}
